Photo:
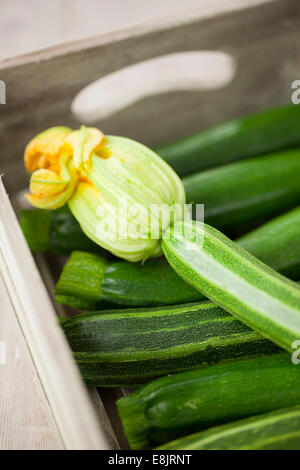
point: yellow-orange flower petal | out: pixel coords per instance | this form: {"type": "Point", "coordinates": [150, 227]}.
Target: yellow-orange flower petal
{"type": "Point", "coordinates": [50, 190]}
{"type": "Point", "coordinates": [44, 150]}
{"type": "Point", "coordinates": [82, 144]}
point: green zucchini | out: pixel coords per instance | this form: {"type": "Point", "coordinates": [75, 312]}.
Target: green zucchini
{"type": "Point", "coordinates": [279, 430]}
{"type": "Point", "coordinates": [277, 243]}
{"type": "Point", "coordinates": [180, 404]}
{"type": "Point", "coordinates": [36, 228]}
{"type": "Point", "coordinates": [88, 281]}
{"type": "Point", "coordinates": [54, 231]}
{"type": "Point", "coordinates": [234, 279]}
{"type": "Point", "coordinates": [248, 190]}
{"type": "Point", "coordinates": [259, 133]}
{"type": "Point", "coordinates": [92, 280]}
{"type": "Point", "coordinates": [130, 347]}
{"type": "Point", "coordinates": [82, 303]}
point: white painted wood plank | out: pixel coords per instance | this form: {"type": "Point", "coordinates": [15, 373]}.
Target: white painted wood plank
{"type": "Point", "coordinates": [74, 415]}
{"type": "Point", "coordinates": [25, 417]}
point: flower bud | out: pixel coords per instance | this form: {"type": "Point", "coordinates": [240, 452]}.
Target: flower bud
{"type": "Point", "coordinates": [123, 194]}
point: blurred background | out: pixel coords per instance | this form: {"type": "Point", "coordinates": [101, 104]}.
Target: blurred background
{"type": "Point", "coordinates": [31, 25]}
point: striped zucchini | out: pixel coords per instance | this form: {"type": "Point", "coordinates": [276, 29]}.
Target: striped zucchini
{"type": "Point", "coordinates": [237, 281]}
{"type": "Point", "coordinates": [180, 404]}
{"type": "Point", "coordinates": [279, 430]}
{"type": "Point", "coordinates": [248, 190]}
{"type": "Point", "coordinates": [263, 132]}
{"type": "Point", "coordinates": [129, 347]}
{"type": "Point", "coordinates": [88, 281]}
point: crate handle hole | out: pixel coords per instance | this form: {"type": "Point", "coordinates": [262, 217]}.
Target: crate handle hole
{"type": "Point", "coordinates": [185, 71]}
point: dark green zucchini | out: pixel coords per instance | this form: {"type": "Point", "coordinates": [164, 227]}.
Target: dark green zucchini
{"type": "Point", "coordinates": [130, 347]}
{"type": "Point", "coordinates": [36, 228]}
{"type": "Point", "coordinates": [279, 430]}
{"type": "Point", "coordinates": [277, 243]}
{"type": "Point", "coordinates": [54, 231]}
{"type": "Point", "coordinates": [234, 279]}
{"type": "Point", "coordinates": [259, 133]}
{"type": "Point", "coordinates": [248, 190]}
{"type": "Point", "coordinates": [88, 281]}
{"type": "Point", "coordinates": [180, 404]}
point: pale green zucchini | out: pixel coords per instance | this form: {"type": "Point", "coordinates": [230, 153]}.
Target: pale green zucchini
{"type": "Point", "coordinates": [279, 430]}
{"type": "Point", "coordinates": [180, 404]}
{"type": "Point", "coordinates": [130, 347]}
{"type": "Point", "coordinates": [237, 281]}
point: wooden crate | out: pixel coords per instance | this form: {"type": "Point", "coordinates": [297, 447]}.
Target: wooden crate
{"type": "Point", "coordinates": [261, 36]}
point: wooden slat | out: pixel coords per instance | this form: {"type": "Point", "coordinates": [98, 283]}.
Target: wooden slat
{"type": "Point", "coordinates": [25, 416]}
{"type": "Point", "coordinates": [59, 378]}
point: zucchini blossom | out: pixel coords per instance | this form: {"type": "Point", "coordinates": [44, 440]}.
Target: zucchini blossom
{"type": "Point", "coordinates": [123, 195]}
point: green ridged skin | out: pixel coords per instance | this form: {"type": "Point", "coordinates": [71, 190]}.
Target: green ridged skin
{"type": "Point", "coordinates": [180, 404]}
{"type": "Point", "coordinates": [248, 190]}
{"type": "Point", "coordinates": [234, 279]}
{"type": "Point", "coordinates": [130, 347]}
{"type": "Point", "coordinates": [255, 134]}
{"type": "Point", "coordinates": [279, 430]}
{"type": "Point", "coordinates": [156, 283]}
{"type": "Point", "coordinates": [88, 288]}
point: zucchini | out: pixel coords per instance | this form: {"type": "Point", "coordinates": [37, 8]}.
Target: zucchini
{"type": "Point", "coordinates": [92, 280]}
{"type": "Point", "coordinates": [76, 302]}
{"type": "Point", "coordinates": [87, 281]}
{"type": "Point", "coordinates": [248, 190]}
{"type": "Point", "coordinates": [277, 243]}
{"type": "Point", "coordinates": [54, 231]}
{"type": "Point", "coordinates": [180, 404]}
{"type": "Point", "coordinates": [263, 132]}
{"type": "Point", "coordinates": [279, 430]}
{"type": "Point", "coordinates": [234, 279]}
{"type": "Point", "coordinates": [129, 347]}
